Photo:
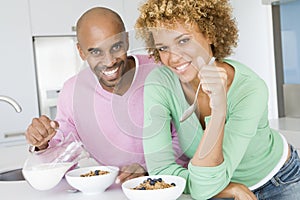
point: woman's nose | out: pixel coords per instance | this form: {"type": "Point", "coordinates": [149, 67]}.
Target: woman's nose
{"type": "Point", "coordinates": [174, 56]}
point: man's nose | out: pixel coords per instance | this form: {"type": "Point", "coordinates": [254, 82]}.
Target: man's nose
{"type": "Point", "coordinates": [109, 60]}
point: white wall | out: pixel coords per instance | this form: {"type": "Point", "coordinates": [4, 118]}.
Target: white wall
{"type": "Point", "coordinates": [256, 48]}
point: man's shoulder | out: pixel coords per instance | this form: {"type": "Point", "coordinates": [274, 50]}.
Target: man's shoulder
{"type": "Point", "coordinates": [142, 56]}
{"type": "Point", "coordinates": [144, 59]}
{"type": "Point", "coordinates": [84, 74]}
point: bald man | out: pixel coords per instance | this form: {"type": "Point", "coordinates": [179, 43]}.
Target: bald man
{"type": "Point", "coordinates": [103, 104]}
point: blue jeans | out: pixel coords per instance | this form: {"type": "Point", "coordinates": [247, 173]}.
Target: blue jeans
{"type": "Point", "coordinates": [285, 185]}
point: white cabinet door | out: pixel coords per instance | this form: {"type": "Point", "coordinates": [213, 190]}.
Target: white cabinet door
{"type": "Point", "coordinates": [17, 73]}
{"type": "Point", "coordinates": [59, 17]}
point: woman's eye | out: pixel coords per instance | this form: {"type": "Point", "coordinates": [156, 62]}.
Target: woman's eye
{"type": "Point", "coordinates": [162, 48]}
{"type": "Point", "coordinates": [183, 41]}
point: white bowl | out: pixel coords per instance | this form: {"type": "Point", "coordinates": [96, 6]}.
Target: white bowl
{"type": "Point", "coordinates": [171, 193]}
{"type": "Point", "coordinates": [92, 184]}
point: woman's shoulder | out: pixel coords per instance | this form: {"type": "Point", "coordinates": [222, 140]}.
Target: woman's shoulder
{"type": "Point", "coordinates": [246, 84]}
{"type": "Point", "coordinates": [162, 81]}
{"type": "Point", "coordinates": [245, 76]}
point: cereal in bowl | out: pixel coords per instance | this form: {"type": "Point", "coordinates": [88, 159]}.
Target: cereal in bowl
{"type": "Point", "coordinates": [153, 184]}
{"type": "Point", "coordinates": [94, 173]}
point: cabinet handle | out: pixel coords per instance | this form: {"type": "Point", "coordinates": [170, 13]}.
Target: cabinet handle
{"type": "Point", "coordinates": [10, 135]}
{"type": "Point", "coordinates": [73, 28]}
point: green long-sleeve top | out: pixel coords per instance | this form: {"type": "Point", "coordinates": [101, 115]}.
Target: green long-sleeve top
{"type": "Point", "coordinates": [251, 148]}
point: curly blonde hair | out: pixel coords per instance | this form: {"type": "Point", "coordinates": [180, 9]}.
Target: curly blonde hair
{"type": "Point", "coordinates": [213, 18]}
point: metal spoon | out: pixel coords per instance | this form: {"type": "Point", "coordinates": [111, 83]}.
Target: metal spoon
{"type": "Point", "coordinates": [189, 111]}
{"type": "Point", "coordinates": [72, 190]}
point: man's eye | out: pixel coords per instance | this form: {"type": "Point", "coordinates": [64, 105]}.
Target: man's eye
{"type": "Point", "coordinates": [117, 47]}
{"type": "Point", "coordinates": [96, 52]}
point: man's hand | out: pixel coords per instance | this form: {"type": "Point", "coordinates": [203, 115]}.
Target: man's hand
{"type": "Point", "coordinates": [129, 172]}
{"type": "Point", "coordinates": [40, 131]}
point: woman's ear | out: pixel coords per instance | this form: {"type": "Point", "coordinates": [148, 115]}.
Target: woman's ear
{"type": "Point", "coordinates": [209, 41]}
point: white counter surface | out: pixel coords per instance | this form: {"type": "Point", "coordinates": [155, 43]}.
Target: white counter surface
{"type": "Point", "coordinates": [286, 124]}
{"type": "Point", "coordinates": [21, 190]}
{"type": "Point", "coordinates": [14, 157]}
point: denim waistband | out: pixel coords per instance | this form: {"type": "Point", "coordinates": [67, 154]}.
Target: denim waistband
{"type": "Point", "coordinates": [294, 155]}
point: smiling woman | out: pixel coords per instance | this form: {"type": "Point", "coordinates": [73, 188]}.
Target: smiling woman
{"type": "Point", "coordinates": [229, 141]}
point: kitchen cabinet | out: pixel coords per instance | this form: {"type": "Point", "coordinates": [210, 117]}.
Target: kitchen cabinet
{"type": "Point", "coordinates": [56, 17]}
{"type": "Point", "coordinates": [17, 74]}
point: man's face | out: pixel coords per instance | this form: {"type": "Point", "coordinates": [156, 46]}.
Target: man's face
{"type": "Point", "coordinates": [104, 47]}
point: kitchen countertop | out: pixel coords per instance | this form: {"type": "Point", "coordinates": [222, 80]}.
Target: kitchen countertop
{"type": "Point", "coordinates": [286, 124]}
{"type": "Point", "coordinates": [14, 158]}
{"type": "Point", "coordinates": [22, 190]}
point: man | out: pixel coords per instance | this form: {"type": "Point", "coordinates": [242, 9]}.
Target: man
{"type": "Point", "coordinates": [102, 104]}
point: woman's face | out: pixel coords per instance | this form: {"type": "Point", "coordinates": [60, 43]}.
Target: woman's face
{"type": "Point", "coordinates": [183, 50]}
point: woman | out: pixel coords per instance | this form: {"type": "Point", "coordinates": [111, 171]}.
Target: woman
{"type": "Point", "coordinates": [228, 138]}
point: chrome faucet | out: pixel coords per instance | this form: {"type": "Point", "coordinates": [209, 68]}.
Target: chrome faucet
{"type": "Point", "coordinates": [12, 102]}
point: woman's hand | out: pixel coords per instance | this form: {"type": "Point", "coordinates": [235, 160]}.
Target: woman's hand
{"type": "Point", "coordinates": [241, 192]}
{"type": "Point", "coordinates": [213, 80]}
{"type": "Point", "coordinates": [130, 171]}
{"type": "Point", "coordinates": [237, 191]}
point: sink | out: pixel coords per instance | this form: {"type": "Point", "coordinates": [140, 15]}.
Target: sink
{"type": "Point", "coordinates": [12, 175]}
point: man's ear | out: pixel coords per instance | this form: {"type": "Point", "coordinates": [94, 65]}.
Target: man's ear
{"type": "Point", "coordinates": [81, 53]}
{"type": "Point", "coordinates": [126, 35]}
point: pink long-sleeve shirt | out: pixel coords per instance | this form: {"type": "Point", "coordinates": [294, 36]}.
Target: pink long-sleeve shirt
{"type": "Point", "coordinates": [109, 125]}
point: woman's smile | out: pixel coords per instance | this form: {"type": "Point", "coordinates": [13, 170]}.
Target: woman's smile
{"type": "Point", "coordinates": [182, 68]}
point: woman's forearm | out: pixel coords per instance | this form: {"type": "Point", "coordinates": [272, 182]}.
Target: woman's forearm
{"type": "Point", "coordinates": [209, 152]}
